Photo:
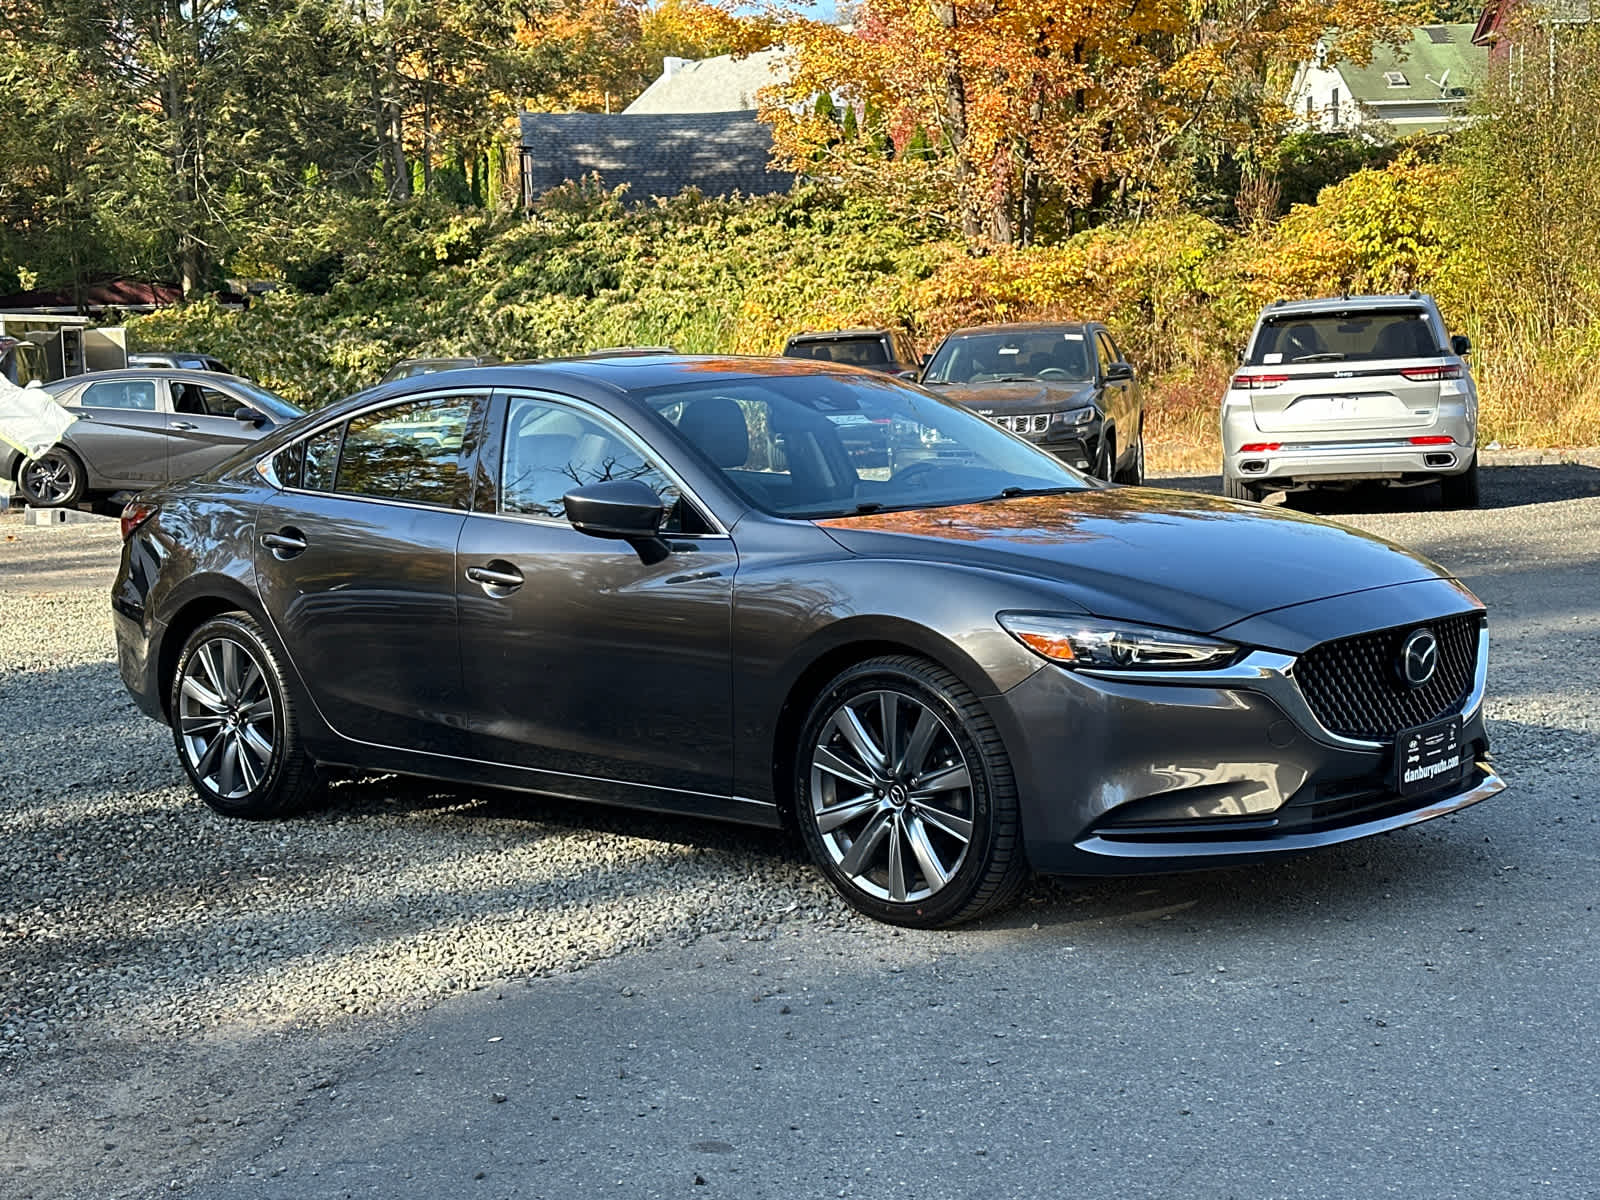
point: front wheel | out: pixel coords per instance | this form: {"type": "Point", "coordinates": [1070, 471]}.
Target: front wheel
{"type": "Point", "coordinates": [905, 798]}
{"type": "Point", "coordinates": [1133, 474]}
{"type": "Point", "coordinates": [53, 479]}
{"type": "Point", "coordinates": [234, 724]}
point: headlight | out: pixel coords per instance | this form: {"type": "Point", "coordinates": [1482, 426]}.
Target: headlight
{"type": "Point", "coordinates": [1112, 646]}
{"type": "Point", "coordinates": [1077, 416]}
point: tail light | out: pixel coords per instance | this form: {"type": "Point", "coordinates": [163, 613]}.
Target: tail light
{"type": "Point", "coordinates": [1433, 440]}
{"type": "Point", "coordinates": [1259, 447]}
{"type": "Point", "coordinates": [134, 514]}
{"type": "Point", "coordinates": [1251, 381]}
{"type": "Point", "coordinates": [1430, 374]}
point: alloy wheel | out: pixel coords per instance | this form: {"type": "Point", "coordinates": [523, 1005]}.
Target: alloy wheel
{"type": "Point", "coordinates": [892, 796]}
{"type": "Point", "coordinates": [227, 721]}
{"type": "Point", "coordinates": [49, 480]}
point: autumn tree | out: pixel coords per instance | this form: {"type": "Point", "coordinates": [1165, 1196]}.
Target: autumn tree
{"type": "Point", "coordinates": [1080, 105]}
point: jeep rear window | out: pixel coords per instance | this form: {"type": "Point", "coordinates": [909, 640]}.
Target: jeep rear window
{"type": "Point", "coordinates": [1344, 337]}
{"type": "Point", "coordinates": [863, 352]}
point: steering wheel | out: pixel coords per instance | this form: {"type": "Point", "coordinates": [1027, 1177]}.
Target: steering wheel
{"type": "Point", "coordinates": [1053, 373]}
{"type": "Point", "coordinates": [916, 471]}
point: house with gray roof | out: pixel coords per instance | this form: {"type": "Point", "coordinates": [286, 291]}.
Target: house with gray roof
{"type": "Point", "coordinates": [653, 154]}
{"type": "Point", "coordinates": [1421, 86]}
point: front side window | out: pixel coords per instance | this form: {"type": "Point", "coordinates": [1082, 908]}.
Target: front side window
{"type": "Point", "coordinates": [417, 451]}
{"type": "Point", "coordinates": [551, 449]}
{"type": "Point", "coordinates": [139, 395]}
{"type": "Point", "coordinates": [814, 446]}
{"type": "Point", "coordinates": [203, 401]}
{"type": "Point", "coordinates": [1043, 354]}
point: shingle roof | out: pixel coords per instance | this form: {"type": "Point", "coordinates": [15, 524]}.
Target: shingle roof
{"type": "Point", "coordinates": [1432, 50]}
{"type": "Point", "coordinates": [721, 84]}
{"type": "Point", "coordinates": [655, 155]}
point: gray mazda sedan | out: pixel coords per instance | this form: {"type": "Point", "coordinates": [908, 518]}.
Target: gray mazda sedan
{"type": "Point", "coordinates": [662, 582]}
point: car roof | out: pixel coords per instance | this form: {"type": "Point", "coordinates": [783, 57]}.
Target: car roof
{"type": "Point", "coordinates": [830, 335]}
{"type": "Point", "coordinates": [1024, 327]}
{"type": "Point", "coordinates": [1345, 304]}
{"type": "Point", "coordinates": [182, 374]}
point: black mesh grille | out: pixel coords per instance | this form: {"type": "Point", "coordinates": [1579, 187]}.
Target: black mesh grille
{"type": "Point", "coordinates": [1354, 688]}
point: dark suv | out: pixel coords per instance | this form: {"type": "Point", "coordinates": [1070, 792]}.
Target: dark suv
{"type": "Point", "coordinates": [890, 350]}
{"type": "Point", "coordinates": [1064, 387]}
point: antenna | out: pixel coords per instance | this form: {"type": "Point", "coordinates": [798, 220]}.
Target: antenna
{"type": "Point", "coordinates": [1442, 82]}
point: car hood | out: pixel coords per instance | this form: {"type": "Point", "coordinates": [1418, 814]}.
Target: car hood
{"type": "Point", "coordinates": [1032, 395]}
{"type": "Point", "coordinates": [1170, 559]}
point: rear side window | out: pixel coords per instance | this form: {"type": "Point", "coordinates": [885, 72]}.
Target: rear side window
{"type": "Point", "coordinates": [1344, 337]}
{"type": "Point", "coordinates": [418, 451]}
{"type": "Point", "coordinates": [137, 394]}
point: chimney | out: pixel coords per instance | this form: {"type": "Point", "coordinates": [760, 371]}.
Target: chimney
{"type": "Point", "coordinates": [671, 66]}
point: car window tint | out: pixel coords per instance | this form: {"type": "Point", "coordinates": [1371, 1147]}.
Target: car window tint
{"type": "Point", "coordinates": [203, 401]}
{"type": "Point", "coordinates": [551, 449]}
{"type": "Point", "coordinates": [322, 459]}
{"type": "Point", "coordinates": [134, 394]}
{"type": "Point", "coordinates": [289, 465]}
{"type": "Point", "coordinates": [1102, 354]}
{"type": "Point", "coordinates": [415, 451]}
{"type": "Point", "coordinates": [1344, 337]}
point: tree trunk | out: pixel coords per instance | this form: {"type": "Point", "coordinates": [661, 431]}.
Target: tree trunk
{"type": "Point", "coordinates": [397, 174]}
{"type": "Point", "coordinates": [955, 128]}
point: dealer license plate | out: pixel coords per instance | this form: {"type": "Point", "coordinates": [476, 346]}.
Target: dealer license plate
{"type": "Point", "coordinates": [1428, 757]}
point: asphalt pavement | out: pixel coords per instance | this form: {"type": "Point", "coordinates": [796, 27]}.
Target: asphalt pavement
{"type": "Point", "coordinates": [1410, 1016]}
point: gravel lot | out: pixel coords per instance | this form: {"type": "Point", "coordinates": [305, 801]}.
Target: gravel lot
{"type": "Point", "coordinates": [172, 984]}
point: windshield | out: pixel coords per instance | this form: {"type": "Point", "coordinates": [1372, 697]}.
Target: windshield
{"type": "Point", "coordinates": [825, 445]}
{"type": "Point", "coordinates": [1044, 354]}
{"type": "Point", "coordinates": [270, 403]}
{"type": "Point", "coordinates": [1344, 337]}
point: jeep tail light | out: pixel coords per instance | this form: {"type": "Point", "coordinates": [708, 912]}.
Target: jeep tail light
{"type": "Point", "coordinates": [1253, 381]}
{"type": "Point", "coordinates": [1440, 439]}
{"type": "Point", "coordinates": [1430, 374]}
{"type": "Point", "coordinates": [1259, 447]}
{"type": "Point", "coordinates": [134, 514]}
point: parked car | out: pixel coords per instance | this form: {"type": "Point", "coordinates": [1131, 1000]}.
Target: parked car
{"type": "Point", "coordinates": [1063, 386]}
{"type": "Point", "coordinates": [889, 350]}
{"type": "Point", "coordinates": [409, 368]}
{"type": "Point", "coordinates": [1351, 390]}
{"type": "Point", "coordinates": [144, 426]}
{"type": "Point", "coordinates": [658, 582]}
{"type": "Point", "coordinates": [180, 360]}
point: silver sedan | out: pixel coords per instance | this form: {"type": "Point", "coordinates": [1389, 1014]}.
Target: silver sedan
{"type": "Point", "coordinates": [138, 428]}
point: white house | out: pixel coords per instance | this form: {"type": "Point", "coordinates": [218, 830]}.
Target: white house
{"type": "Point", "coordinates": [1422, 86]}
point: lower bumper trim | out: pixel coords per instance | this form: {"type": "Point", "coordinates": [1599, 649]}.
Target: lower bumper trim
{"type": "Point", "coordinates": [1201, 852]}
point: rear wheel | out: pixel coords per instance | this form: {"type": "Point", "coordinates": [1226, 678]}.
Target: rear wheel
{"type": "Point", "coordinates": [905, 798]}
{"type": "Point", "coordinates": [234, 724]}
{"type": "Point", "coordinates": [1461, 491]}
{"type": "Point", "coordinates": [53, 479]}
{"type": "Point", "coordinates": [1238, 489]}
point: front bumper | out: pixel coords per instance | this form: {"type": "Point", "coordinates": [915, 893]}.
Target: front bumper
{"type": "Point", "coordinates": [1119, 775]}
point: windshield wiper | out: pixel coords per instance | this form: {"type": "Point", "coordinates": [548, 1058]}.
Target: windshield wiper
{"type": "Point", "coordinates": [1325, 356]}
{"type": "Point", "coordinates": [1014, 491]}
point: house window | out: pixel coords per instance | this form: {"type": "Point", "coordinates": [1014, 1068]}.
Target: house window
{"type": "Point", "coordinates": [1333, 108]}
{"type": "Point", "coordinates": [1311, 108]}
{"type": "Point", "coordinates": [1395, 79]}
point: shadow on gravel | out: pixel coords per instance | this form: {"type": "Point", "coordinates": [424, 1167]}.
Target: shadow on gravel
{"type": "Point", "coordinates": [1502, 487]}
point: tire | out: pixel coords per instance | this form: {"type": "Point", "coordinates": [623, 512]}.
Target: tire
{"type": "Point", "coordinates": [1237, 489]}
{"type": "Point", "coordinates": [1133, 476]}
{"type": "Point", "coordinates": [54, 479]}
{"type": "Point", "coordinates": [1461, 491]}
{"type": "Point", "coordinates": [1105, 463]}
{"type": "Point", "coordinates": [234, 723]}
{"type": "Point", "coordinates": [909, 855]}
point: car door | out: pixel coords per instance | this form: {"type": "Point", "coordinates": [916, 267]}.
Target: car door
{"type": "Point", "coordinates": [596, 672]}
{"type": "Point", "coordinates": [121, 431]}
{"type": "Point", "coordinates": [356, 566]}
{"type": "Point", "coordinates": [202, 430]}
{"type": "Point", "coordinates": [1120, 396]}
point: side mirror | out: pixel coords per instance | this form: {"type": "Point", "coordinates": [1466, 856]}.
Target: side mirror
{"type": "Point", "coordinates": [1119, 371]}
{"type": "Point", "coordinates": [249, 416]}
{"type": "Point", "coordinates": [616, 508]}
{"type": "Point", "coordinates": [1461, 345]}
{"type": "Point", "coordinates": [924, 361]}
{"type": "Point", "coordinates": [907, 374]}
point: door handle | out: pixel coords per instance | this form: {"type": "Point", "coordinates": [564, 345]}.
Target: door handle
{"type": "Point", "coordinates": [284, 544]}
{"type": "Point", "coordinates": [183, 425]}
{"type": "Point", "coordinates": [496, 578]}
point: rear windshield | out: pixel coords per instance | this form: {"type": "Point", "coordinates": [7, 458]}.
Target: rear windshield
{"type": "Point", "coordinates": [857, 352]}
{"type": "Point", "coordinates": [1344, 337]}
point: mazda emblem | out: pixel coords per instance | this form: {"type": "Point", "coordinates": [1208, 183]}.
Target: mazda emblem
{"type": "Point", "coordinates": [1419, 658]}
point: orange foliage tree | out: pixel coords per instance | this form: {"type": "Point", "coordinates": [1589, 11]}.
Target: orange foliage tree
{"type": "Point", "coordinates": [1076, 104]}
